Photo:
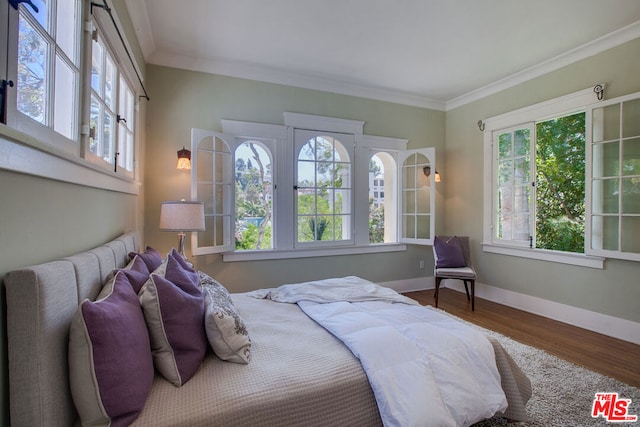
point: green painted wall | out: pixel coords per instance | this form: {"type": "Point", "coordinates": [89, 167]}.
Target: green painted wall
{"type": "Point", "coordinates": [616, 289]}
{"type": "Point", "coordinates": [182, 100]}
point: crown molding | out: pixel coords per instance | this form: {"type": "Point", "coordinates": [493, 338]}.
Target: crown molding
{"type": "Point", "coordinates": [270, 75]}
{"type": "Point", "coordinates": [611, 40]}
{"type": "Point", "coordinates": [139, 15]}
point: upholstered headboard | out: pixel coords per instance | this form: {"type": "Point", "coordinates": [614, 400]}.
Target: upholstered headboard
{"type": "Point", "coordinates": [41, 302]}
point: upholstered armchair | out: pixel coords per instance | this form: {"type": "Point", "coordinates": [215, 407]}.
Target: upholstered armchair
{"type": "Point", "coordinates": [453, 261]}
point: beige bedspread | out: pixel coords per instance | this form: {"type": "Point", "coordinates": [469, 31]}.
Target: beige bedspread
{"type": "Point", "coordinates": [325, 386]}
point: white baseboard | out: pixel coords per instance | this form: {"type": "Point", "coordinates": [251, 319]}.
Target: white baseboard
{"type": "Point", "coordinates": [616, 327]}
{"type": "Point", "coordinates": [411, 285]}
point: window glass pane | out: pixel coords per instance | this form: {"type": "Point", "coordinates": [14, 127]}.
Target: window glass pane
{"type": "Point", "coordinates": [409, 226]}
{"type": "Point", "coordinates": [611, 193]}
{"type": "Point", "coordinates": [97, 56]}
{"type": "Point", "coordinates": [253, 183]}
{"type": "Point", "coordinates": [521, 139]}
{"type": "Point", "coordinates": [109, 82]}
{"type": "Point", "coordinates": [423, 230]}
{"type": "Point", "coordinates": [65, 88]}
{"type": "Point", "coordinates": [521, 171]}
{"type": "Point", "coordinates": [107, 137]}
{"type": "Point", "coordinates": [409, 174]}
{"type": "Point", "coordinates": [504, 145]}
{"type": "Point", "coordinates": [505, 199]}
{"type": "Point", "coordinates": [631, 234]}
{"type": "Point", "coordinates": [409, 201]}
{"type": "Point", "coordinates": [42, 16]}
{"type": "Point", "coordinates": [423, 201]}
{"type": "Point", "coordinates": [606, 159]}
{"type": "Point", "coordinates": [67, 28]}
{"type": "Point", "coordinates": [631, 195]}
{"type": "Point", "coordinates": [95, 145]}
{"type": "Point", "coordinates": [521, 226]}
{"type": "Point", "coordinates": [630, 122]}
{"type": "Point", "coordinates": [505, 173]}
{"type": "Point", "coordinates": [606, 123]}
{"type": "Point", "coordinates": [631, 157]}
{"type": "Point", "coordinates": [521, 199]}
{"type": "Point", "coordinates": [606, 229]}
{"type": "Point", "coordinates": [323, 194]}
{"type": "Point", "coordinates": [33, 75]}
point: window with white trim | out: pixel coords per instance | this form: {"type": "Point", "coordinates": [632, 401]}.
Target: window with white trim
{"type": "Point", "coordinates": [314, 200]}
{"type": "Point", "coordinates": [87, 111]}
{"type": "Point", "coordinates": [44, 63]}
{"type": "Point", "coordinates": [562, 180]}
{"type": "Point", "coordinates": [613, 182]}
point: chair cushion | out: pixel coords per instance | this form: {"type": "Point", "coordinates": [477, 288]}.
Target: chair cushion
{"type": "Point", "coordinates": [448, 252]}
{"type": "Point", "coordinates": [457, 273]}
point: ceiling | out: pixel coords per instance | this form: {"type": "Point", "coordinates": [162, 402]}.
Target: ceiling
{"type": "Point", "coordinates": [430, 53]}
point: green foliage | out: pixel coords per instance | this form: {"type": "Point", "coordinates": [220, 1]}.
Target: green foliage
{"type": "Point", "coordinates": [248, 238]}
{"type": "Point", "coordinates": [376, 223]}
{"type": "Point", "coordinates": [560, 183]}
{"type": "Point", "coordinates": [252, 202]}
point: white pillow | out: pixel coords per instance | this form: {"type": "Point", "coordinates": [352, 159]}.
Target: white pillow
{"type": "Point", "coordinates": [226, 331]}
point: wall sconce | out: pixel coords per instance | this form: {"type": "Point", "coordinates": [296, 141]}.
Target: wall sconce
{"type": "Point", "coordinates": [182, 216]}
{"type": "Point", "coordinates": [427, 172]}
{"type": "Point", "coordinates": [184, 159]}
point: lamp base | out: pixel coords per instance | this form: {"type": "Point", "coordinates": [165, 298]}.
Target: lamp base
{"type": "Point", "coordinates": [181, 237]}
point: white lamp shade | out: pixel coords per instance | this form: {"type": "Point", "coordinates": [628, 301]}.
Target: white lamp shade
{"type": "Point", "coordinates": [182, 216]}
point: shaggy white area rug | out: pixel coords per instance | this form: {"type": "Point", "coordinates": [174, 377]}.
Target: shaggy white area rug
{"type": "Point", "coordinates": [563, 392]}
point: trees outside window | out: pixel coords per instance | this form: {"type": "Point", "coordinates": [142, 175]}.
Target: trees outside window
{"type": "Point", "coordinates": [560, 183]}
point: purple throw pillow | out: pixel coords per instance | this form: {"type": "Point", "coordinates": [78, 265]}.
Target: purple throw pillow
{"type": "Point", "coordinates": [110, 364]}
{"type": "Point", "coordinates": [150, 256]}
{"type": "Point", "coordinates": [138, 264]}
{"type": "Point", "coordinates": [448, 252]}
{"type": "Point", "coordinates": [180, 273]}
{"type": "Point", "coordinates": [136, 278]}
{"type": "Point", "coordinates": [174, 312]}
{"type": "Point", "coordinates": [183, 262]}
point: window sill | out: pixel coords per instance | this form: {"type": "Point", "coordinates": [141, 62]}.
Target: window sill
{"type": "Point", "coordinates": [24, 154]}
{"type": "Point", "coordinates": [309, 253]}
{"type": "Point", "coordinates": [546, 255]}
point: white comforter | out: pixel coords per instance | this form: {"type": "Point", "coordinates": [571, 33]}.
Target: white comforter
{"type": "Point", "coordinates": [425, 368]}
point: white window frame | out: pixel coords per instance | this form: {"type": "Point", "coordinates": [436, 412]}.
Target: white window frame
{"type": "Point", "coordinates": [280, 142]}
{"type": "Point", "coordinates": [347, 142]}
{"type": "Point", "coordinates": [121, 162]}
{"type": "Point", "coordinates": [532, 190]}
{"type": "Point", "coordinates": [591, 123]}
{"type": "Point", "coordinates": [565, 105]}
{"type": "Point", "coordinates": [22, 122]}
{"type": "Point", "coordinates": [39, 150]}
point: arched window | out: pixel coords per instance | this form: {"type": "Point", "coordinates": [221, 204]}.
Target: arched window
{"type": "Point", "coordinates": [323, 187]}
{"type": "Point", "coordinates": [382, 198]}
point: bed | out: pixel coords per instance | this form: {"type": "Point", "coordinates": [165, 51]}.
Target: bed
{"type": "Point", "coordinates": [299, 373]}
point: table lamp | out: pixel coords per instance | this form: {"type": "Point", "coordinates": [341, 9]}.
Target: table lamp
{"type": "Point", "coordinates": [182, 216]}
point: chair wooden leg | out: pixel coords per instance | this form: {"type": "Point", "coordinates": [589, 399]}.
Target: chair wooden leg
{"type": "Point", "coordinates": [438, 279]}
{"type": "Point", "coordinates": [473, 295]}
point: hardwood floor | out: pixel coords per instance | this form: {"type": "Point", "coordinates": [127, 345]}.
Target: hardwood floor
{"type": "Point", "coordinates": [609, 356]}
